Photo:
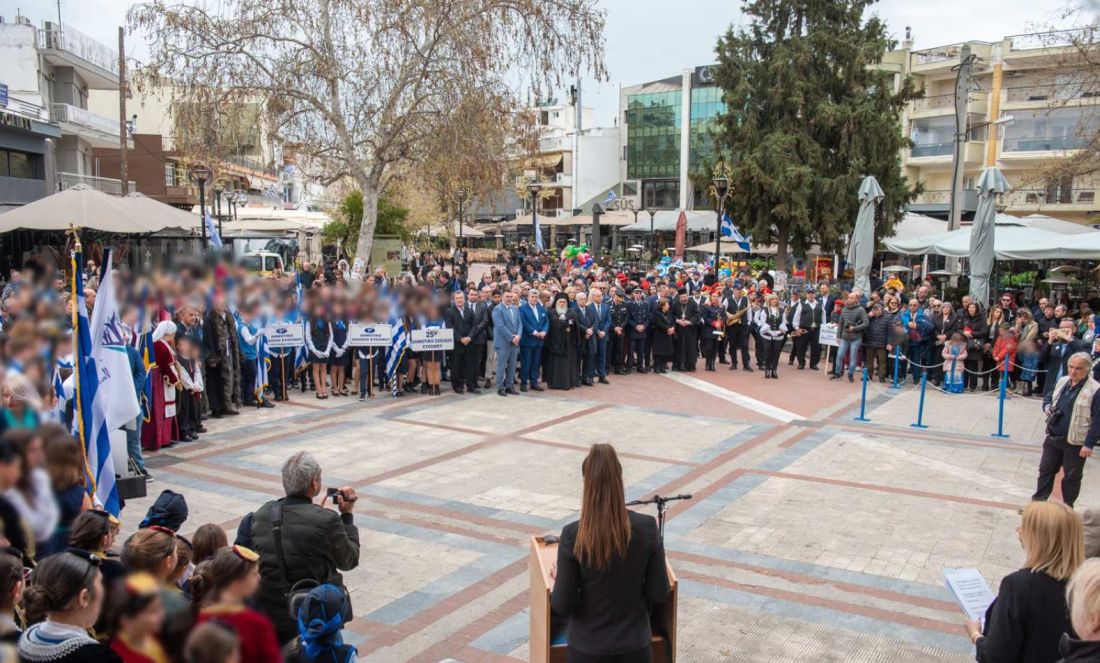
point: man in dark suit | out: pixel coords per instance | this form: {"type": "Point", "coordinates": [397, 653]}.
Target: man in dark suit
{"type": "Point", "coordinates": [601, 317]}
{"type": "Point", "coordinates": [586, 325]}
{"type": "Point", "coordinates": [464, 320]}
{"type": "Point", "coordinates": [737, 334]}
{"type": "Point", "coordinates": [805, 319]}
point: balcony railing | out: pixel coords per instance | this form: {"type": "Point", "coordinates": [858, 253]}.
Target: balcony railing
{"type": "Point", "coordinates": [933, 149]}
{"type": "Point", "coordinates": [943, 197]}
{"type": "Point", "coordinates": [75, 42]}
{"type": "Point", "coordinates": [1055, 39]}
{"type": "Point", "coordinates": [1048, 197]}
{"type": "Point", "coordinates": [1059, 92]}
{"type": "Point", "coordinates": [82, 117]}
{"type": "Point", "coordinates": [251, 164]}
{"type": "Point", "coordinates": [1044, 143]}
{"type": "Point", "coordinates": [104, 184]}
{"type": "Point", "coordinates": [27, 109]}
{"type": "Point", "coordinates": [945, 101]}
{"type": "Point", "coordinates": [938, 54]}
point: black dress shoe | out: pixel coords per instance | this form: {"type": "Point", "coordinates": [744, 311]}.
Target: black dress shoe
{"type": "Point", "coordinates": [266, 404]}
{"type": "Point", "coordinates": [604, 381]}
{"type": "Point", "coordinates": [200, 429]}
{"type": "Point", "coordinates": [501, 392]}
{"type": "Point", "coordinates": [587, 383]}
{"type": "Point", "coordinates": [474, 390]}
{"type": "Point", "coordinates": [512, 391]}
{"type": "Point", "coordinates": [523, 388]}
{"type": "Point", "coordinates": [748, 369]}
{"type": "Point", "coordinates": [460, 391]}
{"type": "Point", "coordinates": [536, 387]}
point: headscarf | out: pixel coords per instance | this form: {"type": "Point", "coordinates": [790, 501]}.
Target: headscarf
{"type": "Point", "coordinates": [320, 619]}
{"type": "Point", "coordinates": [163, 329]}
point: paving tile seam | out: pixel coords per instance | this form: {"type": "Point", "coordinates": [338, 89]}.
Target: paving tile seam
{"type": "Point", "coordinates": [479, 627]}
{"type": "Point", "coordinates": [886, 489]}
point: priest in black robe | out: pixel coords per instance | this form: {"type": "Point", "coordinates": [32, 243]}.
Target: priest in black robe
{"type": "Point", "coordinates": [562, 362]}
{"type": "Point", "coordinates": [687, 319]}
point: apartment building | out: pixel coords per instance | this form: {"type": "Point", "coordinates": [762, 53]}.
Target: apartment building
{"type": "Point", "coordinates": [1037, 79]}
{"type": "Point", "coordinates": [47, 131]}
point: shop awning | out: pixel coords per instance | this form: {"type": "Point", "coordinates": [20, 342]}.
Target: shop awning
{"type": "Point", "coordinates": [1034, 237]}
{"type": "Point", "coordinates": [86, 207]}
{"type": "Point", "coordinates": [543, 161]}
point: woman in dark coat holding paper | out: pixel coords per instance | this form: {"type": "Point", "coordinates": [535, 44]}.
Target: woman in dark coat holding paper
{"type": "Point", "coordinates": [610, 570]}
{"type": "Point", "coordinates": [561, 345]}
{"type": "Point", "coordinates": [1025, 623]}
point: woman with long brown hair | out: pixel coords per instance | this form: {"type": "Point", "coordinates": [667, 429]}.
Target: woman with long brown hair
{"type": "Point", "coordinates": [610, 569]}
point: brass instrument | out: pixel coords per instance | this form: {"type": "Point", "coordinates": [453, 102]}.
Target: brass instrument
{"type": "Point", "coordinates": [735, 318]}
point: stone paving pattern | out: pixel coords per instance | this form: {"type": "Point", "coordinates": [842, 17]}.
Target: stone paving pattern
{"type": "Point", "coordinates": [811, 536]}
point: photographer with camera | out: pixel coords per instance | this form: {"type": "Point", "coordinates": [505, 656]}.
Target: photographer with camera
{"type": "Point", "coordinates": [302, 544]}
{"type": "Point", "coordinates": [1060, 346]}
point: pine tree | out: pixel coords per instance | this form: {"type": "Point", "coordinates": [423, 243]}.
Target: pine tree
{"type": "Point", "coordinates": [809, 114]}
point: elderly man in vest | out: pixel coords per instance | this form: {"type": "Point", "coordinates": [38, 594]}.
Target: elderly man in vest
{"type": "Point", "coordinates": [1073, 428]}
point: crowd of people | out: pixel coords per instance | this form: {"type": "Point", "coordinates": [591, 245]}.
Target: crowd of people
{"type": "Point", "coordinates": [196, 340]}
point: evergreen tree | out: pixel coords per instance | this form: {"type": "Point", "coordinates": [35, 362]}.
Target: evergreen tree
{"type": "Point", "coordinates": [809, 114]}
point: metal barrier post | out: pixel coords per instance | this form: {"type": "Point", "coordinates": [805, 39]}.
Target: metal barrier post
{"type": "Point", "coordinates": [897, 363]}
{"type": "Point", "coordinates": [1001, 406]}
{"type": "Point", "coordinates": [863, 399]}
{"type": "Point", "coordinates": [920, 406]}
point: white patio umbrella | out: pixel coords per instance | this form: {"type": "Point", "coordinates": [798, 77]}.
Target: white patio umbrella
{"type": "Point", "coordinates": [991, 184]}
{"type": "Point", "coordinates": [861, 246]}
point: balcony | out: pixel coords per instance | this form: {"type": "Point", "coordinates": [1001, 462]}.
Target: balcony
{"type": "Point", "coordinates": [1046, 95]}
{"type": "Point", "coordinates": [20, 191]}
{"type": "Point", "coordinates": [940, 103]}
{"type": "Point", "coordinates": [1048, 47]}
{"type": "Point", "coordinates": [97, 129]}
{"type": "Point", "coordinates": [104, 184]}
{"type": "Point", "coordinates": [554, 144]}
{"type": "Point", "coordinates": [68, 47]}
{"type": "Point", "coordinates": [940, 201]}
{"type": "Point", "coordinates": [1068, 200]}
{"type": "Point", "coordinates": [942, 152]}
{"type": "Point", "coordinates": [1060, 143]}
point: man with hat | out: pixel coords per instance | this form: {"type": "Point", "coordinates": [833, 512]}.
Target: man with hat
{"type": "Point", "coordinates": [805, 320]}
{"type": "Point", "coordinates": [737, 332]}
{"type": "Point", "coordinates": [620, 344]}
{"type": "Point", "coordinates": [687, 318]}
{"type": "Point", "coordinates": [638, 320]}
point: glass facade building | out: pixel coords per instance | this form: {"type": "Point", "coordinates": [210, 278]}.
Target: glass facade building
{"type": "Point", "coordinates": [656, 130]}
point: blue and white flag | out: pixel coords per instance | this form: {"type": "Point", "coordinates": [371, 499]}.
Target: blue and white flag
{"type": "Point", "coordinates": [398, 345]}
{"type": "Point", "coordinates": [105, 385]}
{"type": "Point", "coordinates": [263, 362]}
{"type": "Point", "coordinates": [731, 231]}
{"type": "Point", "coordinates": [301, 360]}
{"type": "Point", "coordinates": [212, 231]}
{"type": "Point", "coordinates": [538, 229]}
{"type": "Point", "coordinates": [610, 198]}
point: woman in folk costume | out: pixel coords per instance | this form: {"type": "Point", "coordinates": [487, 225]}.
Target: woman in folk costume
{"type": "Point", "coordinates": [772, 322]}
{"type": "Point", "coordinates": [162, 429]}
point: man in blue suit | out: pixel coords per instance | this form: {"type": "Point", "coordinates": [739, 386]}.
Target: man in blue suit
{"type": "Point", "coordinates": [535, 326]}
{"type": "Point", "coordinates": [601, 325]}
{"type": "Point", "coordinates": [507, 329]}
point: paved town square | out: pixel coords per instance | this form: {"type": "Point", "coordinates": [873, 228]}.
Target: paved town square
{"type": "Point", "coordinates": [811, 536]}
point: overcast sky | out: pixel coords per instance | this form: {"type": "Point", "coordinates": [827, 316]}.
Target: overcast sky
{"type": "Point", "coordinates": [653, 39]}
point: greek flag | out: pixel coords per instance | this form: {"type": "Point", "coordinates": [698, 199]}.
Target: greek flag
{"type": "Point", "coordinates": [398, 345]}
{"type": "Point", "coordinates": [105, 397]}
{"type": "Point", "coordinates": [297, 316]}
{"type": "Point", "coordinates": [263, 362]}
{"type": "Point", "coordinates": [212, 232]}
{"type": "Point", "coordinates": [731, 231]}
{"type": "Point", "coordinates": [143, 342]}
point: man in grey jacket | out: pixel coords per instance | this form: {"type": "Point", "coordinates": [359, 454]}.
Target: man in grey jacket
{"type": "Point", "coordinates": [313, 543]}
{"type": "Point", "coordinates": [853, 322]}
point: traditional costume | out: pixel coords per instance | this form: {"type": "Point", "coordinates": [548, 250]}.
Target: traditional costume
{"type": "Point", "coordinates": [161, 428]}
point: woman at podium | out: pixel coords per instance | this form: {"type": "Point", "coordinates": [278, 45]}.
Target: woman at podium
{"type": "Point", "coordinates": [610, 570]}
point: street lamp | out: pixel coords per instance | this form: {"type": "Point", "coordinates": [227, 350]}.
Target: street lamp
{"type": "Point", "coordinates": [461, 196]}
{"type": "Point", "coordinates": [652, 236]}
{"type": "Point", "coordinates": [200, 175]}
{"type": "Point", "coordinates": [720, 190]}
{"type": "Point", "coordinates": [239, 201]}
{"type": "Point", "coordinates": [533, 188]}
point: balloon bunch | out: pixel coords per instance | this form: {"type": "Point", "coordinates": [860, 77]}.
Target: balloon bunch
{"type": "Point", "coordinates": [579, 254]}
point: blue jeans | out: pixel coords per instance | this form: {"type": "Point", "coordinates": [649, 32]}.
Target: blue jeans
{"type": "Point", "coordinates": [852, 350]}
{"type": "Point", "coordinates": [530, 360]}
{"type": "Point", "coordinates": [133, 444]}
{"type": "Point", "coordinates": [506, 366]}
{"type": "Point", "coordinates": [600, 368]}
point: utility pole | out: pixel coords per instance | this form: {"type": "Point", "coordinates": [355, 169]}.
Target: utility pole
{"type": "Point", "coordinates": [122, 128]}
{"type": "Point", "coordinates": [578, 130]}
{"type": "Point", "coordinates": [962, 93]}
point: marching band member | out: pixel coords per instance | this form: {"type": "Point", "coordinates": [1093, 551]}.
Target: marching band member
{"type": "Point", "coordinates": [773, 332]}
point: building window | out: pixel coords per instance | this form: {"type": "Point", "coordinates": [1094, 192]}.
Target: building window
{"type": "Point", "coordinates": [933, 136]}
{"type": "Point", "coordinates": [1050, 130]}
{"type": "Point", "coordinates": [706, 105]}
{"type": "Point", "coordinates": [21, 164]}
{"type": "Point", "coordinates": [653, 135]}
{"type": "Point", "coordinates": [661, 194]}
{"type": "Point", "coordinates": [170, 174]}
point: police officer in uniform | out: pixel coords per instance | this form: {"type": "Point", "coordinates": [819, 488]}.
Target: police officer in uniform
{"type": "Point", "coordinates": [620, 330]}
{"type": "Point", "coordinates": [638, 322]}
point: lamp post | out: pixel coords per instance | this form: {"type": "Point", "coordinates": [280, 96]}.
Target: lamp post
{"type": "Point", "coordinates": [533, 188]}
{"type": "Point", "coordinates": [239, 201]}
{"type": "Point", "coordinates": [597, 211]}
{"type": "Point", "coordinates": [652, 235]}
{"type": "Point", "coordinates": [200, 175]}
{"type": "Point", "coordinates": [461, 196]}
{"type": "Point", "coordinates": [720, 190]}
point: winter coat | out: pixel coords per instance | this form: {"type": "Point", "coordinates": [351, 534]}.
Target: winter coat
{"type": "Point", "coordinates": [855, 317]}
{"type": "Point", "coordinates": [878, 331]}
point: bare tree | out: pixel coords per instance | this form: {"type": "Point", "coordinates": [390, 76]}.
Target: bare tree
{"type": "Point", "coordinates": [361, 85]}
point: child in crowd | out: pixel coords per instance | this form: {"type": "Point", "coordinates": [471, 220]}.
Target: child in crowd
{"type": "Point", "coordinates": [954, 356]}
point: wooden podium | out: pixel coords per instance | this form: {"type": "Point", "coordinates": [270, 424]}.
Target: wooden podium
{"type": "Point", "coordinates": [546, 628]}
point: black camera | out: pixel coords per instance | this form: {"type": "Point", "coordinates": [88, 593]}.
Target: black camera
{"type": "Point", "coordinates": [334, 494]}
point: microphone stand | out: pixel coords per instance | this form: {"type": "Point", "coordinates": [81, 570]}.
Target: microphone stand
{"type": "Point", "coordinates": [662, 506]}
